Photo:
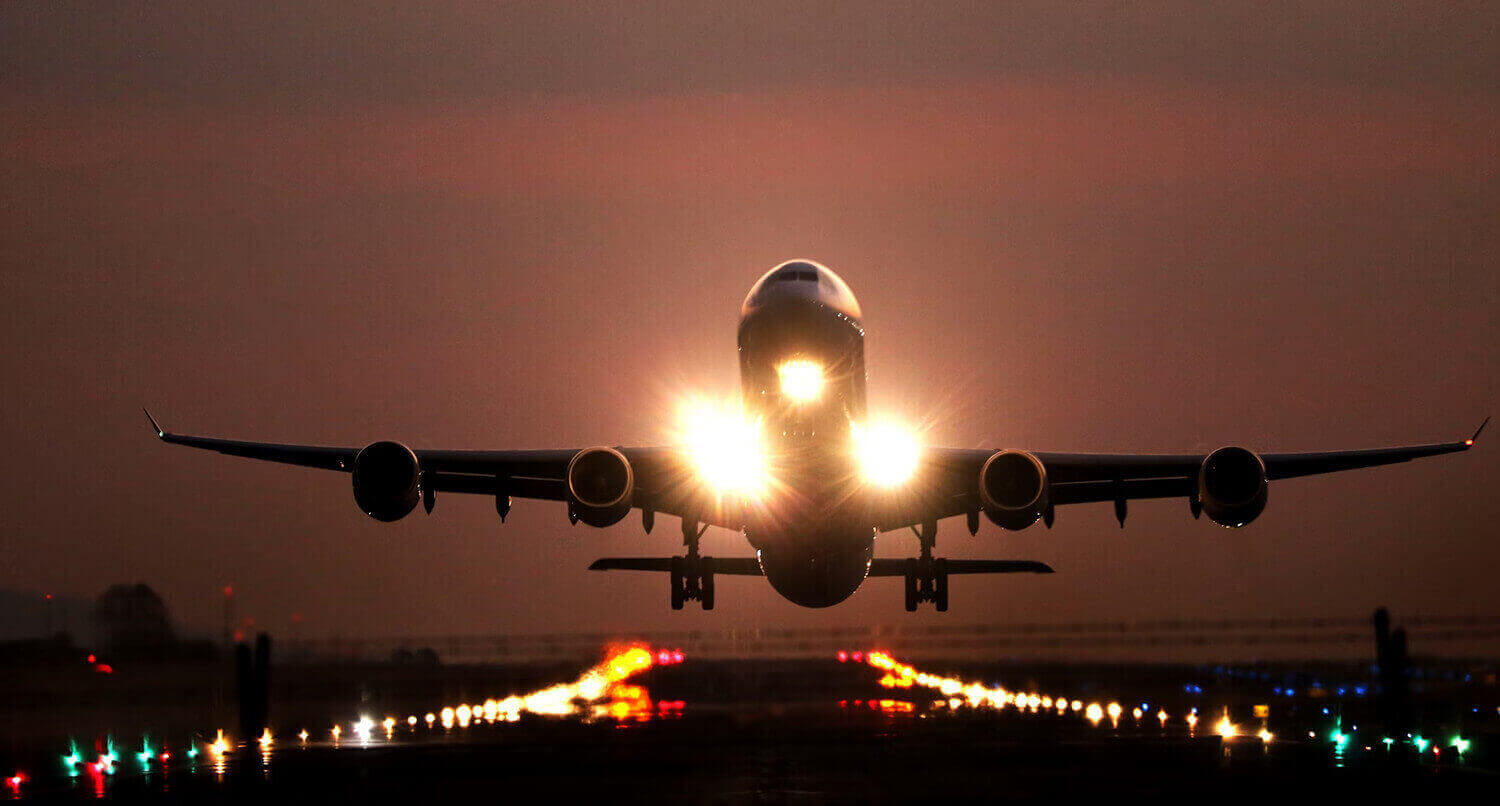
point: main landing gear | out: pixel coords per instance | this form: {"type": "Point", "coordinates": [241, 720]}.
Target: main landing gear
{"type": "Point", "coordinates": [692, 576]}
{"type": "Point", "coordinates": [927, 576]}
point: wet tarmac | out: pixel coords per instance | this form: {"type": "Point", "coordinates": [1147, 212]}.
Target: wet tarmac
{"type": "Point", "coordinates": [866, 727]}
{"type": "Point", "coordinates": [801, 754]}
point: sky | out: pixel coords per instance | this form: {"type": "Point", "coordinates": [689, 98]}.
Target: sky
{"type": "Point", "coordinates": [1123, 227]}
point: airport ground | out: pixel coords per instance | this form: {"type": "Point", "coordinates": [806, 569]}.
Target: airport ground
{"type": "Point", "coordinates": [762, 730]}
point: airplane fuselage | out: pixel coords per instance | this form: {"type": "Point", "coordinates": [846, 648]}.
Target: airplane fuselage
{"type": "Point", "coordinates": [813, 533]}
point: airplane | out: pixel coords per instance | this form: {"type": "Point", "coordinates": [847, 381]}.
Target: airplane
{"type": "Point", "coordinates": [805, 475]}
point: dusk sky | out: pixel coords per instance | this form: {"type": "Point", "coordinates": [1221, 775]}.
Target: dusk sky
{"type": "Point", "coordinates": [1086, 227]}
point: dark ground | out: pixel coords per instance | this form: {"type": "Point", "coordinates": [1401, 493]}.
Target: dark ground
{"type": "Point", "coordinates": [794, 731]}
{"type": "Point", "coordinates": [796, 756]}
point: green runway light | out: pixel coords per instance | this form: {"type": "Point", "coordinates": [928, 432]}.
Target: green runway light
{"type": "Point", "coordinates": [1460, 744]}
{"type": "Point", "coordinates": [192, 751]}
{"type": "Point", "coordinates": [1421, 744]}
{"type": "Point", "coordinates": [1339, 739]}
{"type": "Point", "coordinates": [72, 759]}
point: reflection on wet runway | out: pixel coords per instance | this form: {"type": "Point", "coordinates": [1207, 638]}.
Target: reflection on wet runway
{"type": "Point", "coordinates": [606, 694]}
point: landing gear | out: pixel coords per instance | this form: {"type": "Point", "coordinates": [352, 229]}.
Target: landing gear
{"type": "Point", "coordinates": [927, 581]}
{"type": "Point", "coordinates": [927, 576]}
{"type": "Point", "coordinates": [692, 576]}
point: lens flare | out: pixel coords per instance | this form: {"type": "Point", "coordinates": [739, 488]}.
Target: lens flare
{"type": "Point", "coordinates": [725, 447]}
{"type": "Point", "coordinates": [888, 454]}
{"type": "Point", "coordinates": [801, 380]}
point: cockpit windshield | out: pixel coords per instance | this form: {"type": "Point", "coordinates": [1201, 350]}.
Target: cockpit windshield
{"type": "Point", "coordinates": [803, 279]}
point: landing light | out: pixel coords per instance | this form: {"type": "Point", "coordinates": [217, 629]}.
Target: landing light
{"type": "Point", "coordinates": [801, 380]}
{"type": "Point", "coordinates": [725, 448]}
{"type": "Point", "coordinates": [888, 454]}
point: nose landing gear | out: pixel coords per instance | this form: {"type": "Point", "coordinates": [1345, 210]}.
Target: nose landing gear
{"type": "Point", "coordinates": [926, 576]}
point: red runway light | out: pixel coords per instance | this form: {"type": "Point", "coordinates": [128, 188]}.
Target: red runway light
{"type": "Point", "coordinates": [91, 658]}
{"type": "Point", "coordinates": [843, 656]}
{"type": "Point", "coordinates": [677, 656]}
{"type": "Point", "coordinates": [859, 657]}
{"type": "Point", "coordinates": [104, 668]}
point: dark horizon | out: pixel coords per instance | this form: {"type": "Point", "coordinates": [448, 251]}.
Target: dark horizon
{"type": "Point", "coordinates": [1111, 230]}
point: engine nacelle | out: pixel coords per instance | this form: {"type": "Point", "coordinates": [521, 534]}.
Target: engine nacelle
{"type": "Point", "coordinates": [1013, 489]}
{"type": "Point", "coordinates": [1232, 486]}
{"type": "Point", "coordinates": [600, 484]}
{"type": "Point", "coordinates": [387, 481]}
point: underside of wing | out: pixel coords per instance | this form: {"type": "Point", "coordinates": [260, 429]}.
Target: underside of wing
{"type": "Point", "coordinates": [390, 479]}
{"type": "Point", "coordinates": [1017, 488]}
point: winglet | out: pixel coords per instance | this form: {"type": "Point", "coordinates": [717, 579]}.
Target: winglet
{"type": "Point", "coordinates": [159, 433]}
{"type": "Point", "coordinates": [1470, 441]}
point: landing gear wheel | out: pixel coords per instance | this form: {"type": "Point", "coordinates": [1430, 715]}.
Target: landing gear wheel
{"type": "Point", "coordinates": [911, 586]}
{"type": "Point", "coordinates": [679, 586]}
{"type": "Point", "coordinates": [940, 584]}
{"type": "Point", "coordinates": [706, 584]}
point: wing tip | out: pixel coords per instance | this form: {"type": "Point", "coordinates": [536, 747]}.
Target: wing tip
{"type": "Point", "coordinates": [160, 434]}
{"type": "Point", "coordinates": [1469, 443]}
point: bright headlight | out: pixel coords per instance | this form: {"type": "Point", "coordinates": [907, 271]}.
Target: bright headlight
{"type": "Point", "coordinates": [888, 454]}
{"type": "Point", "coordinates": [725, 448]}
{"type": "Point", "coordinates": [801, 380]}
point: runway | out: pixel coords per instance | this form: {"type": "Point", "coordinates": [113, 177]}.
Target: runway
{"type": "Point", "coordinates": [647, 724]}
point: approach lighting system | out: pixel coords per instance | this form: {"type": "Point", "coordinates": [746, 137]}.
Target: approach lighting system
{"type": "Point", "coordinates": [726, 449]}
{"type": "Point", "coordinates": [801, 380]}
{"type": "Point", "coordinates": [888, 454]}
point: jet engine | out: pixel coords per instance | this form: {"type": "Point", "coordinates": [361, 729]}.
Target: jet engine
{"type": "Point", "coordinates": [600, 484]}
{"type": "Point", "coordinates": [1013, 489]}
{"type": "Point", "coordinates": [387, 481]}
{"type": "Point", "coordinates": [1232, 486]}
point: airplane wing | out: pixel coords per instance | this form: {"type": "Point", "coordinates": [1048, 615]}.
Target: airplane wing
{"type": "Point", "coordinates": [661, 474]}
{"type": "Point", "coordinates": [946, 486]}
{"type": "Point", "coordinates": [950, 476]}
